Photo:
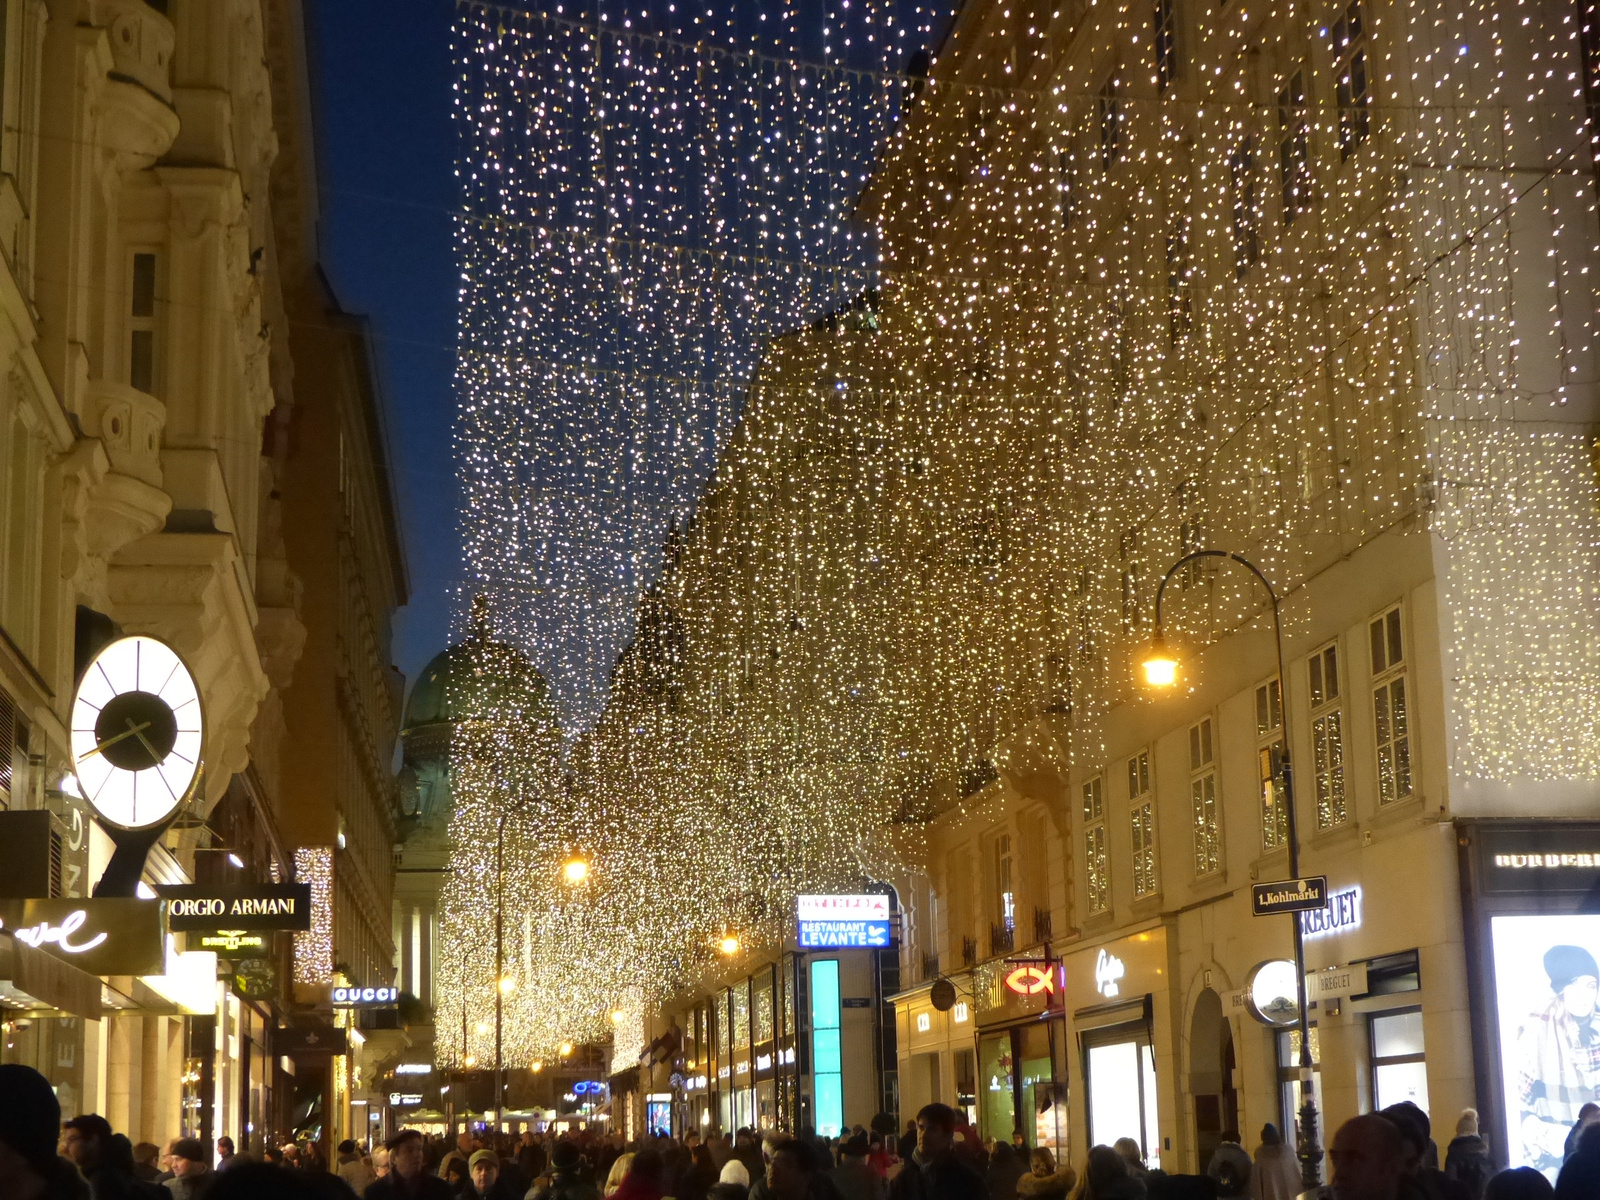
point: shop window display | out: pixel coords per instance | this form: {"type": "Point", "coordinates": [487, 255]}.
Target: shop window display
{"type": "Point", "coordinates": [997, 1081]}
{"type": "Point", "coordinates": [1122, 1094]}
{"type": "Point", "coordinates": [1545, 985]}
{"type": "Point", "coordinates": [1399, 1069]}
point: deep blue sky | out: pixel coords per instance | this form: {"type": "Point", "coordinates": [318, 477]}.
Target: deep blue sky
{"type": "Point", "coordinates": [381, 74]}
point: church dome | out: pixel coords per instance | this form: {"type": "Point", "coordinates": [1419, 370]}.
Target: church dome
{"type": "Point", "coordinates": [449, 689]}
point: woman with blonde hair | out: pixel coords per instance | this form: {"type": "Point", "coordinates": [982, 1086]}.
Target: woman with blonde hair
{"type": "Point", "coordinates": [619, 1172]}
{"type": "Point", "coordinates": [1044, 1181]}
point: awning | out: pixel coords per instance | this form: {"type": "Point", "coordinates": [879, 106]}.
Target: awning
{"type": "Point", "coordinates": [32, 979]}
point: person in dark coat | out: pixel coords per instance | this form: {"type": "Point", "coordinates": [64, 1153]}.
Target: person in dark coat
{"type": "Point", "coordinates": [935, 1171]}
{"type": "Point", "coordinates": [565, 1180]}
{"type": "Point", "coordinates": [1414, 1129]}
{"type": "Point", "coordinates": [105, 1159]}
{"type": "Point", "coordinates": [407, 1179]}
{"type": "Point", "coordinates": [30, 1124]}
{"type": "Point", "coordinates": [793, 1174]}
{"type": "Point", "coordinates": [1580, 1175]}
{"type": "Point", "coordinates": [1519, 1183]}
{"type": "Point", "coordinates": [485, 1181]}
{"type": "Point", "coordinates": [853, 1177]}
{"type": "Point", "coordinates": [1466, 1158]}
{"type": "Point", "coordinates": [1005, 1168]}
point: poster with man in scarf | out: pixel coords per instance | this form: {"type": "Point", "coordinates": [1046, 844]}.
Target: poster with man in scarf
{"type": "Point", "coordinates": [1547, 986]}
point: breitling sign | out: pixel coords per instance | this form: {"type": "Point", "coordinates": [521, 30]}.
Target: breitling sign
{"type": "Point", "coordinates": [256, 907]}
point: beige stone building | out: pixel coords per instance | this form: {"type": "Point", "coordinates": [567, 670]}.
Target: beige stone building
{"type": "Point", "coordinates": [1307, 283]}
{"type": "Point", "coordinates": [191, 447]}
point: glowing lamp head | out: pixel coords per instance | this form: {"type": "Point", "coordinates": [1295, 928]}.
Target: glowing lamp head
{"type": "Point", "coordinates": [618, 1016]}
{"type": "Point", "coordinates": [472, 1060]}
{"type": "Point", "coordinates": [481, 1028]}
{"type": "Point", "coordinates": [566, 1049]}
{"type": "Point", "coordinates": [1159, 664]}
{"type": "Point", "coordinates": [507, 985]}
{"type": "Point", "coordinates": [729, 944]}
{"type": "Point", "coordinates": [536, 1067]}
{"type": "Point", "coordinates": [575, 871]}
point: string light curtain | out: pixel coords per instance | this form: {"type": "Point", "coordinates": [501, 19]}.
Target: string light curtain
{"type": "Point", "coordinates": [1278, 284]}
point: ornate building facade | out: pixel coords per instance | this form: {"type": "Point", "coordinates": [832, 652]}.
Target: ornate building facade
{"type": "Point", "coordinates": [185, 413]}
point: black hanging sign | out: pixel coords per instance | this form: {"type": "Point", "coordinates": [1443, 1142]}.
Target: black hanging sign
{"type": "Point", "coordinates": [214, 908]}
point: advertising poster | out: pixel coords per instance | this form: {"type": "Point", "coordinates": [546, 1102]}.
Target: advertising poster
{"type": "Point", "coordinates": [1546, 981]}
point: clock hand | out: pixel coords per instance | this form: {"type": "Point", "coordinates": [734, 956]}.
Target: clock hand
{"type": "Point", "coordinates": [155, 759]}
{"type": "Point", "coordinates": [111, 741]}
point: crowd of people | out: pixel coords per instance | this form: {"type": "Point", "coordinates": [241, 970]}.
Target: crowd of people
{"type": "Point", "coordinates": [1388, 1155]}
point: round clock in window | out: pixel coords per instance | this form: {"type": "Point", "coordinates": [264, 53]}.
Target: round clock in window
{"type": "Point", "coordinates": [137, 730]}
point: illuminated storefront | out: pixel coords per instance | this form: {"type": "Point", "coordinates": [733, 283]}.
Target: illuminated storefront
{"type": "Point", "coordinates": [1533, 928]}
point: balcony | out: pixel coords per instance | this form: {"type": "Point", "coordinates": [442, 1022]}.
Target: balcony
{"type": "Point", "coordinates": [930, 967]}
{"type": "Point", "coordinates": [1042, 925]}
{"type": "Point", "coordinates": [1002, 940]}
{"type": "Point", "coordinates": [969, 952]}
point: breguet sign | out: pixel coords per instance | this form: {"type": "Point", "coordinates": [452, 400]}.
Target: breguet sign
{"type": "Point", "coordinates": [255, 907]}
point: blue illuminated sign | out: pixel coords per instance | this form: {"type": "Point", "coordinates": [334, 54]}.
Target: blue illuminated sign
{"type": "Point", "coordinates": [842, 922]}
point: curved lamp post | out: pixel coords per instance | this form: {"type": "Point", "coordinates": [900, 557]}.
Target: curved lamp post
{"type": "Point", "coordinates": [1160, 667]}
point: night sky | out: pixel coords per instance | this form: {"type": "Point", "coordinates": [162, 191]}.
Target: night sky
{"type": "Point", "coordinates": [382, 76]}
{"type": "Point", "coordinates": [382, 95]}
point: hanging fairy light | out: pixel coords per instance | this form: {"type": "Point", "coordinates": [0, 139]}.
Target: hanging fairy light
{"type": "Point", "coordinates": [1103, 312]}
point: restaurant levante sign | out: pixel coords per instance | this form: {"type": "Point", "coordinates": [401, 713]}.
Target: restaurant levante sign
{"type": "Point", "coordinates": [252, 907]}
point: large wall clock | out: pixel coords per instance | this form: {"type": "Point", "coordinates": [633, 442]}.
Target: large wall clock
{"type": "Point", "coordinates": [137, 730]}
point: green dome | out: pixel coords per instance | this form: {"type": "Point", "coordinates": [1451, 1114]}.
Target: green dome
{"type": "Point", "coordinates": [444, 693]}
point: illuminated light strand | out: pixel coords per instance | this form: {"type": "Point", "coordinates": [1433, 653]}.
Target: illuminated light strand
{"type": "Point", "coordinates": [935, 530]}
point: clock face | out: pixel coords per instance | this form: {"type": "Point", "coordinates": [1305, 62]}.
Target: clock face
{"type": "Point", "coordinates": [136, 732]}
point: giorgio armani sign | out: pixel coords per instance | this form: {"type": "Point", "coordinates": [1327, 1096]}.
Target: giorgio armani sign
{"type": "Point", "coordinates": [256, 907]}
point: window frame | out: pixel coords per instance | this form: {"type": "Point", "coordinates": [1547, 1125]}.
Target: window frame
{"type": "Point", "coordinates": [1352, 78]}
{"type": "Point", "coordinates": [1203, 795]}
{"type": "Point", "coordinates": [1142, 827]}
{"type": "Point", "coordinates": [1389, 679]}
{"type": "Point", "coordinates": [1111, 120]}
{"type": "Point", "coordinates": [1294, 144]}
{"type": "Point", "coordinates": [1164, 39]}
{"type": "Point", "coordinates": [1097, 858]}
{"type": "Point", "coordinates": [1270, 751]}
{"type": "Point", "coordinates": [1246, 216]}
{"type": "Point", "coordinates": [1329, 781]}
{"type": "Point", "coordinates": [1374, 1061]}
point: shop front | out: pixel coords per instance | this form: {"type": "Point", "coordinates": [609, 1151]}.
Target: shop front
{"type": "Point", "coordinates": [1531, 892]}
{"type": "Point", "coordinates": [1021, 1078]}
{"type": "Point", "coordinates": [1120, 1066]}
{"type": "Point", "coordinates": [938, 1051]}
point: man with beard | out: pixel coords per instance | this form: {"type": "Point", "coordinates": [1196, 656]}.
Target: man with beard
{"type": "Point", "coordinates": [1558, 1056]}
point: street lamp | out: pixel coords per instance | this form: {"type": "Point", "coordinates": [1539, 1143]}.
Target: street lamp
{"type": "Point", "coordinates": [575, 870]}
{"type": "Point", "coordinates": [1160, 668]}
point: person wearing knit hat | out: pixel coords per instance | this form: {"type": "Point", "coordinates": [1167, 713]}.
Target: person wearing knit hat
{"type": "Point", "coordinates": [190, 1170]}
{"type": "Point", "coordinates": [484, 1180]}
{"type": "Point", "coordinates": [1558, 1058]}
{"type": "Point", "coordinates": [1466, 1159]}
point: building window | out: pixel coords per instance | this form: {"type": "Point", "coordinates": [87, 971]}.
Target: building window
{"type": "Point", "coordinates": [1166, 44]}
{"type": "Point", "coordinates": [1294, 147]}
{"type": "Point", "coordinates": [1180, 277]}
{"type": "Point", "coordinates": [1110, 122]}
{"type": "Point", "coordinates": [1399, 1067]}
{"type": "Point", "coordinates": [1203, 799]}
{"type": "Point", "coordinates": [1350, 68]}
{"type": "Point", "coordinates": [1142, 815]}
{"type": "Point", "coordinates": [1067, 186]}
{"type": "Point", "coordinates": [1004, 885]}
{"type": "Point", "coordinates": [142, 324]}
{"type": "Point", "coordinates": [1390, 717]}
{"type": "Point", "coordinates": [1242, 183]}
{"type": "Point", "coordinates": [1269, 755]}
{"type": "Point", "coordinates": [1097, 868]}
{"type": "Point", "coordinates": [1327, 738]}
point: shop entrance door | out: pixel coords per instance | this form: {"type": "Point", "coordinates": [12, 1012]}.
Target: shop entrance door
{"type": "Point", "coordinates": [1120, 1073]}
{"type": "Point", "coordinates": [1211, 1076]}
